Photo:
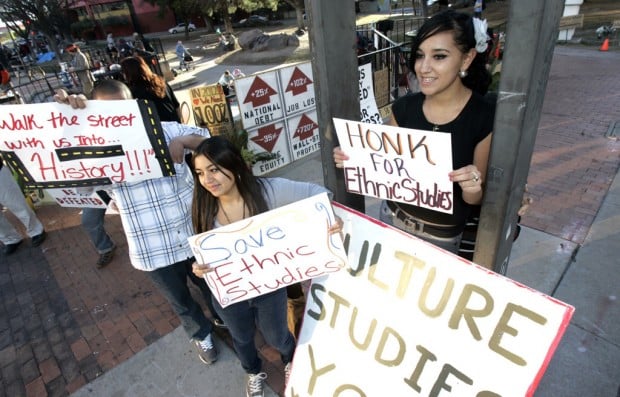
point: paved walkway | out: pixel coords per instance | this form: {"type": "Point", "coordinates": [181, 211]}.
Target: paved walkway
{"type": "Point", "coordinates": [66, 327]}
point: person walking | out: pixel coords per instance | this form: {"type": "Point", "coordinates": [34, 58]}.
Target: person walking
{"type": "Point", "coordinates": [226, 191]}
{"type": "Point", "coordinates": [448, 57]}
{"type": "Point", "coordinates": [81, 67]}
{"type": "Point", "coordinates": [12, 198]}
{"type": "Point", "coordinates": [157, 222]}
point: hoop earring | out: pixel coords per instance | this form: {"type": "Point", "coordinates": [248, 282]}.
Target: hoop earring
{"type": "Point", "coordinates": [462, 73]}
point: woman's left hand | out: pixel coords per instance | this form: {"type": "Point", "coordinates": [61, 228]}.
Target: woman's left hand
{"type": "Point", "coordinates": [468, 177]}
{"type": "Point", "coordinates": [200, 270]}
{"type": "Point", "coordinates": [336, 227]}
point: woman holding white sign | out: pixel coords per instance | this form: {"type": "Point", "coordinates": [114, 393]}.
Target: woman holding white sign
{"type": "Point", "coordinates": [226, 191]}
{"type": "Point", "coordinates": [448, 57]}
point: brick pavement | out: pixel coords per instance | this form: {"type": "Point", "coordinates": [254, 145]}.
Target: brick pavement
{"type": "Point", "coordinates": [63, 322]}
{"type": "Point", "coordinates": [573, 163]}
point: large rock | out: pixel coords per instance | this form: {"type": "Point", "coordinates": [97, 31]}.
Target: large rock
{"type": "Point", "coordinates": [247, 39]}
{"type": "Point", "coordinates": [257, 41]}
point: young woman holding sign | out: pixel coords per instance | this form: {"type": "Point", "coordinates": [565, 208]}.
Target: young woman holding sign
{"type": "Point", "coordinates": [226, 191]}
{"type": "Point", "coordinates": [448, 57]}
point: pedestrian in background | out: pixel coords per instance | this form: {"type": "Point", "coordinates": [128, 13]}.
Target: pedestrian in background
{"type": "Point", "coordinates": [144, 84]}
{"type": "Point", "coordinates": [12, 198]}
{"type": "Point", "coordinates": [80, 65]}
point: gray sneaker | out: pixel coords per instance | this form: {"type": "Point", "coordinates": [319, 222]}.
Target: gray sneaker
{"type": "Point", "coordinates": [206, 350]}
{"type": "Point", "coordinates": [254, 387]}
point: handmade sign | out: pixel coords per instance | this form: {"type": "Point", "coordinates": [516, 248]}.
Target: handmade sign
{"type": "Point", "coordinates": [398, 164]}
{"type": "Point", "coordinates": [369, 112]}
{"type": "Point", "coordinates": [52, 145]}
{"type": "Point", "coordinates": [211, 109]}
{"type": "Point", "coordinates": [71, 198]}
{"type": "Point", "coordinates": [271, 250]}
{"type": "Point", "coordinates": [405, 318]}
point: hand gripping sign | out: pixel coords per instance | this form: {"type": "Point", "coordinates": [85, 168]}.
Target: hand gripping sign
{"type": "Point", "coordinates": [406, 318]}
{"type": "Point", "coordinates": [271, 250]}
{"type": "Point", "coordinates": [54, 146]}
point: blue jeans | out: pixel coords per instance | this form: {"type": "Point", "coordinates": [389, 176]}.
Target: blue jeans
{"type": "Point", "coordinates": [172, 282]}
{"type": "Point", "coordinates": [268, 312]}
{"type": "Point", "coordinates": [92, 222]}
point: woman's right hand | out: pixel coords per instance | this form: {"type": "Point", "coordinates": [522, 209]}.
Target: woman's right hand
{"type": "Point", "coordinates": [76, 101]}
{"type": "Point", "coordinates": [339, 157]}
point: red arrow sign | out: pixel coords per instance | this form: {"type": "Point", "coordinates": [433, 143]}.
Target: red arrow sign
{"type": "Point", "coordinates": [304, 128]}
{"type": "Point", "coordinates": [299, 82]}
{"type": "Point", "coordinates": [267, 137]}
{"type": "Point", "coordinates": [259, 93]}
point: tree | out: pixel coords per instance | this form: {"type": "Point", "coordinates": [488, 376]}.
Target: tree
{"type": "Point", "coordinates": [47, 17]}
{"type": "Point", "coordinates": [299, 7]}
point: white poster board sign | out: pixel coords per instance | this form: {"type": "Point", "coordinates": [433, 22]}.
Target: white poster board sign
{"type": "Point", "coordinates": [398, 164]}
{"type": "Point", "coordinates": [406, 318]}
{"type": "Point", "coordinates": [52, 145]}
{"type": "Point", "coordinates": [271, 250]}
{"type": "Point", "coordinates": [369, 112]}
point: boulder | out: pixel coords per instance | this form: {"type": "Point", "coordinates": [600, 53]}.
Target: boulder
{"type": "Point", "coordinates": [258, 41]}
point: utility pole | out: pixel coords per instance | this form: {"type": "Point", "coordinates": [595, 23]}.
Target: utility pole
{"type": "Point", "coordinates": [530, 39]}
{"type": "Point", "coordinates": [334, 68]}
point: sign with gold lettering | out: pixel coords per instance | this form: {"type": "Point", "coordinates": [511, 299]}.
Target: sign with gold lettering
{"type": "Point", "coordinates": [398, 164]}
{"type": "Point", "coordinates": [54, 146]}
{"type": "Point", "coordinates": [271, 250]}
{"type": "Point", "coordinates": [405, 318]}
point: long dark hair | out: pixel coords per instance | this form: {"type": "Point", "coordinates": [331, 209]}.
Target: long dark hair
{"type": "Point", "coordinates": [461, 25]}
{"type": "Point", "coordinates": [138, 74]}
{"type": "Point", "coordinates": [223, 154]}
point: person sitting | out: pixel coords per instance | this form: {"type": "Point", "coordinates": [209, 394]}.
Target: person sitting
{"type": "Point", "coordinates": [227, 81]}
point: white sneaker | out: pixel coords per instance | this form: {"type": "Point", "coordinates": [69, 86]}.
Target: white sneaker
{"type": "Point", "coordinates": [254, 386]}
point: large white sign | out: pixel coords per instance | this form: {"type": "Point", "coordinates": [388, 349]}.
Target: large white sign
{"type": "Point", "coordinates": [369, 112]}
{"type": "Point", "coordinates": [398, 164]}
{"type": "Point", "coordinates": [406, 318]}
{"type": "Point", "coordinates": [271, 250]}
{"type": "Point", "coordinates": [54, 146]}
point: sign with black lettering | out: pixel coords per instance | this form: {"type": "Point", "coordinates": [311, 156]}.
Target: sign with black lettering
{"type": "Point", "coordinates": [53, 146]}
{"type": "Point", "coordinates": [369, 112]}
{"type": "Point", "coordinates": [271, 250]}
{"type": "Point", "coordinates": [305, 138]}
{"type": "Point", "coordinates": [210, 109]}
{"type": "Point", "coordinates": [398, 164]}
{"type": "Point", "coordinates": [405, 318]}
{"type": "Point", "coordinates": [71, 198]}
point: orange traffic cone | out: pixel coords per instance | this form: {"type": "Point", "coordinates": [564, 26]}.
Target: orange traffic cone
{"type": "Point", "coordinates": [605, 45]}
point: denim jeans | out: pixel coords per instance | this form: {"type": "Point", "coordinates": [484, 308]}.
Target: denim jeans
{"type": "Point", "coordinates": [172, 282]}
{"type": "Point", "coordinates": [268, 312]}
{"type": "Point", "coordinates": [92, 222]}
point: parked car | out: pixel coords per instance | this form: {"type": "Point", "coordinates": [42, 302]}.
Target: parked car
{"type": "Point", "coordinates": [181, 28]}
{"type": "Point", "coordinates": [252, 21]}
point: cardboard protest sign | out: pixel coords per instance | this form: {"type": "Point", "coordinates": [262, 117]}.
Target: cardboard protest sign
{"type": "Point", "coordinates": [71, 198]}
{"type": "Point", "coordinates": [52, 145]}
{"type": "Point", "coordinates": [211, 109]}
{"type": "Point", "coordinates": [298, 88]}
{"type": "Point", "coordinates": [269, 251]}
{"type": "Point", "coordinates": [398, 164]}
{"type": "Point", "coordinates": [409, 319]}
{"type": "Point", "coordinates": [185, 107]}
{"type": "Point", "coordinates": [369, 112]}
{"type": "Point", "coordinates": [305, 139]}
{"type": "Point", "coordinates": [259, 98]}
{"type": "Point", "coordinates": [278, 109]}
